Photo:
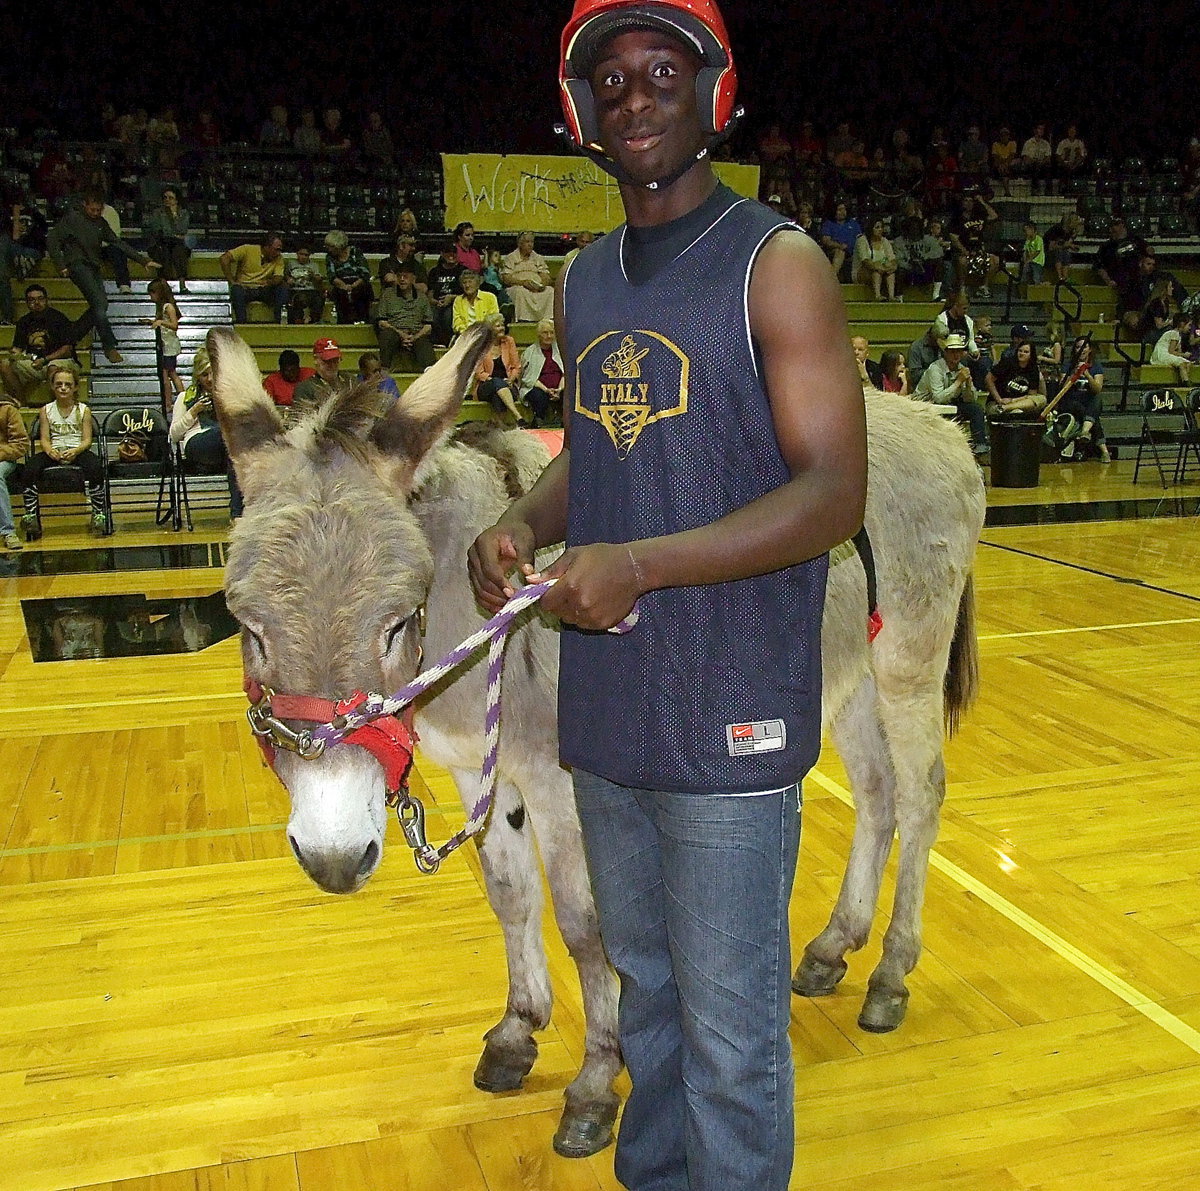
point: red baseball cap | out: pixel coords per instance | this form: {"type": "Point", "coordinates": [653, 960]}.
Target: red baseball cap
{"type": "Point", "coordinates": [327, 349]}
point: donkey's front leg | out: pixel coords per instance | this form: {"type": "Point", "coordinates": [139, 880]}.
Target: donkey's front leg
{"type": "Point", "coordinates": [591, 1104]}
{"type": "Point", "coordinates": [514, 889]}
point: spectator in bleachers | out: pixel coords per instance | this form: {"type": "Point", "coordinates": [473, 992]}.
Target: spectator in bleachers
{"type": "Point", "coordinates": [936, 251]}
{"type": "Point", "coordinates": [274, 132]}
{"type": "Point", "coordinates": [1051, 354]}
{"type": "Point", "coordinates": [349, 278]}
{"type": "Point", "coordinates": [875, 261]}
{"type": "Point", "coordinates": [27, 232]}
{"type": "Point", "coordinates": [195, 431]}
{"type": "Point", "coordinates": [64, 437]}
{"type": "Point", "coordinates": [472, 305]}
{"type": "Point", "coordinates": [1082, 402]}
{"type": "Point", "coordinates": [1004, 157]}
{"type": "Point", "coordinates": [255, 274]}
{"type": "Point", "coordinates": [1037, 159]}
{"type": "Point", "coordinates": [1070, 154]}
{"type": "Point", "coordinates": [973, 157]}
{"type": "Point", "coordinates": [305, 288]}
{"type": "Point", "coordinates": [1169, 351]}
{"type": "Point", "coordinates": [491, 282]}
{"type": "Point", "coordinates": [207, 133]}
{"type": "Point", "coordinates": [281, 384]}
{"type": "Point", "coordinates": [1159, 312]}
{"type": "Point", "coordinates": [582, 240]}
{"type": "Point", "coordinates": [42, 337]}
{"type": "Point", "coordinates": [906, 161]}
{"type": "Point", "coordinates": [76, 245]}
{"type": "Point", "coordinates": [1060, 244]}
{"type": "Point", "coordinates": [113, 256]}
{"type": "Point", "coordinates": [1019, 334]}
{"type": "Point", "coordinates": [981, 365]}
{"type": "Point", "coordinates": [543, 375]}
{"type": "Point", "coordinates": [947, 381]}
{"type": "Point", "coordinates": [131, 134]}
{"type": "Point", "coordinates": [852, 164]}
{"type": "Point", "coordinates": [166, 322]}
{"type": "Point", "coordinates": [405, 253]}
{"type": "Point", "coordinates": [840, 141]}
{"type": "Point", "coordinates": [53, 179]}
{"type": "Point", "coordinates": [404, 325]}
{"type": "Point", "coordinates": [377, 140]}
{"type": "Point", "coordinates": [371, 371]}
{"type": "Point", "coordinates": [807, 222]}
{"type": "Point", "coordinates": [838, 237]}
{"type": "Point", "coordinates": [973, 261]}
{"type": "Point", "coordinates": [326, 380]}
{"type": "Point", "coordinates": [167, 227]}
{"type": "Point", "coordinates": [464, 245]}
{"type": "Point", "coordinates": [1033, 255]}
{"type": "Point", "coordinates": [307, 137]}
{"type": "Point", "coordinates": [808, 141]}
{"type": "Point", "coordinates": [498, 377]}
{"type": "Point", "coordinates": [91, 172]}
{"type": "Point", "coordinates": [954, 320]}
{"type": "Point", "coordinates": [1016, 388]}
{"type": "Point", "coordinates": [444, 287]}
{"type": "Point", "coordinates": [163, 140]}
{"type": "Point", "coordinates": [14, 445]}
{"type": "Point", "coordinates": [406, 223]}
{"type": "Point", "coordinates": [334, 137]}
{"type": "Point", "coordinates": [526, 277]}
{"type": "Point", "coordinates": [921, 353]}
{"type": "Point", "coordinates": [868, 371]}
{"type": "Point", "coordinates": [941, 176]}
{"type": "Point", "coordinates": [1117, 258]}
{"type": "Point", "coordinates": [773, 146]}
{"type": "Point", "coordinates": [893, 373]}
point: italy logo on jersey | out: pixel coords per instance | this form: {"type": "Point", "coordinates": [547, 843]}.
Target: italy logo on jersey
{"type": "Point", "coordinates": [626, 380]}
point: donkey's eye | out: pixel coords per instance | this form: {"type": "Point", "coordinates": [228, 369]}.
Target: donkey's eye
{"type": "Point", "coordinates": [394, 635]}
{"type": "Point", "coordinates": [258, 646]}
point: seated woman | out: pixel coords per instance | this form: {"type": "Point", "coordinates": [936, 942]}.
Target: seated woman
{"type": "Point", "coordinates": [875, 261]}
{"type": "Point", "coordinates": [838, 237]}
{"type": "Point", "coordinates": [1168, 351]}
{"type": "Point", "coordinates": [194, 429]}
{"type": "Point", "coordinates": [894, 373]}
{"type": "Point", "coordinates": [1015, 385]}
{"type": "Point", "coordinates": [527, 278]}
{"type": "Point", "coordinates": [167, 227]}
{"type": "Point", "coordinates": [497, 379]}
{"type": "Point", "coordinates": [64, 439]}
{"type": "Point", "coordinates": [542, 373]}
{"type": "Point", "coordinates": [1082, 401]}
{"type": "Point", "coordinates": [349, 279]}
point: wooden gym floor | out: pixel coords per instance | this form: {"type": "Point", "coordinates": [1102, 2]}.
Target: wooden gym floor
{"type": "Point", "coordinates": [180, 1009]}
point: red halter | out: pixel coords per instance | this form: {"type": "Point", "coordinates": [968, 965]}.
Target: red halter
{"type": "Point", "coordinates": [389, 739]}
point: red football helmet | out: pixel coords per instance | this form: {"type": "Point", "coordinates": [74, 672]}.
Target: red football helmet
{"type": "Point", "coordinates": [697, 23]}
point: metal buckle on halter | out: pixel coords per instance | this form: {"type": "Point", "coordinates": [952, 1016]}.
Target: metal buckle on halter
{"type": "Point", "coordinates": [410, 814]}
{"type": "Point", "coordinates": [267, 727]}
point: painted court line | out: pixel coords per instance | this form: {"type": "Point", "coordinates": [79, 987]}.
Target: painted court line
{"type": "Point", "coordinates": [1121, 989]}
{"type": "Point", "coordinates": [1090, 628]}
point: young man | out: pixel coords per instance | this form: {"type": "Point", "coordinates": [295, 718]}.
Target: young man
{"type": "Point", "coordinates": [689, 735]}
{"type": "Point", "coordinates": [281, 385]}
{"type": "Point", "coordinates": [445, 284]}
{"type": "Point", "coordinates": [77, 246]}
{"type": "Point", "coordinates": [41, 337]}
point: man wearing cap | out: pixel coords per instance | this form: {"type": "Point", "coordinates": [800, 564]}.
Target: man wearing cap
{"type": "Point", "coordinates": [688, 736]}
{"type": "Point", "coordinates": [281, 385]}
{"type": "Point", "coordinates": [1019, 333]}
{"type": "Point", "coordinates": [404, 324]}
{"type": "Point", "coordinates": [326, 381]}
{"type": "Point", "coordinates": [947, 381]}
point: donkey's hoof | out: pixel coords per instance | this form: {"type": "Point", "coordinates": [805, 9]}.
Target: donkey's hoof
{"type": "Point", "coordinates": [586, 1129]}
{"type": "Point", "coordinates": [504, 1070]}
{"type": "Point", "coordinates": [883, 1010]}
{"type": "Point", "coordinates": [816, 978]}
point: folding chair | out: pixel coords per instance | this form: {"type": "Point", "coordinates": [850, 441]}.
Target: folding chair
{"type": "Point", "coordinates": [1167, 423]}
{"type": "Point", "coordinates": [145, 426]}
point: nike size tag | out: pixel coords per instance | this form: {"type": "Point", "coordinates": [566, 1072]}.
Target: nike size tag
{"type": "Point", "coordinates": [766, 736]}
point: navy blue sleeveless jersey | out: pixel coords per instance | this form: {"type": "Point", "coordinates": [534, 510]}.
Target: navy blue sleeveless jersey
{"type": "Point", "coordinates": [717, 688]}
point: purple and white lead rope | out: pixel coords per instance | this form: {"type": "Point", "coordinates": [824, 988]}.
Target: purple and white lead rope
{"type": "Point", "coordinates": [493, 633]}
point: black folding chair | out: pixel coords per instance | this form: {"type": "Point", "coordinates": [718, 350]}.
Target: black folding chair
{"type": "Point", "coordinates": [1168, 434]}
{"type": "Point", "coordinates": [131, 431]}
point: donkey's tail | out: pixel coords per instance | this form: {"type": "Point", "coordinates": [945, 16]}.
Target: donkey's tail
{"type": "Point", "coordinates": [961, 682]}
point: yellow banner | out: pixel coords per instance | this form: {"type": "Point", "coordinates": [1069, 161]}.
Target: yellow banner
{"type": "Point", "coordinates": [546, 194]}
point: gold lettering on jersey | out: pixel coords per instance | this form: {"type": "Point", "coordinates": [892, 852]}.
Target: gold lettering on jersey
{"type": "Point", "coordinates": [626, 403]}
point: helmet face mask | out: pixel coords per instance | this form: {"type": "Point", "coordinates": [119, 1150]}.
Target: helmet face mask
{"type": "Point", "coordinates": [696, 24]}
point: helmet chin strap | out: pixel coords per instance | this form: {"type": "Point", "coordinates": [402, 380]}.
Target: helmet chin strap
{"type": "Point", "coordinates": [609, 166]}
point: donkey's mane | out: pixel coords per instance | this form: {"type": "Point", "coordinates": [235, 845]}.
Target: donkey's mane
{"type": "Point", "coordinates": [489, 440]}
{"type": "Point", "coordinates": [346, 420]}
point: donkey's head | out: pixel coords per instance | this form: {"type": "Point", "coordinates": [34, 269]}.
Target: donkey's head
{"type": "Point", "coordinates": [327, 570]}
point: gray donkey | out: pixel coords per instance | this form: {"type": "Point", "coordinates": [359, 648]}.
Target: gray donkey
{"type": "Point", "coordinates": [361, 515]}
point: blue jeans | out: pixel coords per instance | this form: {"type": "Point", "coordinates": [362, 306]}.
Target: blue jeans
{"type": "Point", "coordinates": [7, 467]}
{"type": "Point", "coordinates": [240, 296]}
{"type": "Point", "coordinates": [692, 893]}
{"type": "Point", "coordinates": [91, 285]}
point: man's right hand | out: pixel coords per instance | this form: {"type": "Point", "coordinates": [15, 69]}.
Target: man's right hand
{"type": "Point", "coordinates": [494, 556]}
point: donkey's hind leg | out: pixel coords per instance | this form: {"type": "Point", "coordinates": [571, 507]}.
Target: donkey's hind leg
{"type": "Point", "coordinates": [912, 720]}
{"type": "Point", "coordinates": [514, 889]}
{"type": "Point", "coordinates": [591, 1107]}
{"type": "Point", "coordinates": [859, 739]}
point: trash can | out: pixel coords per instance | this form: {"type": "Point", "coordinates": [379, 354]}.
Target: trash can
{"type": "Point", "coordinates": [1016, 453]}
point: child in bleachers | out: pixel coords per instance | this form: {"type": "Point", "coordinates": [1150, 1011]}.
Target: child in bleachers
{"type": "Point", "coordinates": [166, 323]}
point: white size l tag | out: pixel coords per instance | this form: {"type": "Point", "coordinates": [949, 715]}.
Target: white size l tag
{"type": "Point", "coordinates": [766, 736]}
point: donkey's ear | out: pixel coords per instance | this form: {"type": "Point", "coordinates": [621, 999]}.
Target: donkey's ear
{"type": "Point", "coordinates": [429, 406]}
{"type": "Point", "coordinates": [248, 417]}
{"type": "Point", "coordinates": [250, 423]}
